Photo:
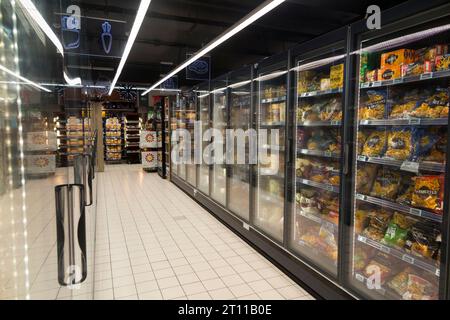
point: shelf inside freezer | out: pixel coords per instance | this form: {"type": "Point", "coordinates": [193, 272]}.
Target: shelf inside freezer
{"type": "Point", "coordinates": [399, 207]}
{"type": "Point", "coordinates": [405, 122]}
{"type": "Point", "coordinates": [318, 220]}
{"type": "Point", "coordinates": [317, 153]}
{"type": "Point", "coordinates": [413, 260]}
{"type": "Point", "coordinates": [320, 93]}
{"type": "Point", "coordinates": [415, 78]}
{"type": "Point", "coordinates": [333, 123]}
{"type": "Point", "coordinates": [272, 124]}
{"type": "Point", "coordinates": [316, 252]}
{"type": "Point", "coordinates": [405, 165]}
{"type": "Point", "coordinates": [323, 186]}
{"type": "Point", "coordinates": [274, 100]}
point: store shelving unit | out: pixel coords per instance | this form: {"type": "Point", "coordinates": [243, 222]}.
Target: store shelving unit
{"type": "Point", "coordinates": [113, 138]}
{"type": "Point", "coordinates": [132, 133]}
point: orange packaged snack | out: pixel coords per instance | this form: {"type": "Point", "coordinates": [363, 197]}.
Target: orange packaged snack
{"type": "Point", "coordinates": [429, 193]}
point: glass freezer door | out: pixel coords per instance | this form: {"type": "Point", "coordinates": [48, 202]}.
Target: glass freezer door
{"type": "Point", "coordinates": [402, 129]}
{"type": "Point", "coordinates": [182, 124]}
{"type": "Point", "coordinates": [191, 117]}
{"type": "Point", "coordinates": [319, 99]}
{"type": "Point", "coordinates": [203, 171]}
{"type": "Point", "coordinates": [271, 122]}
{"type": "Point", "coordinates": [239, 185]}
{"type": "Point", "coordinates": [219, 171]}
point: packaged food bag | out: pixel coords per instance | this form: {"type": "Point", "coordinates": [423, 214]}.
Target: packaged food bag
{"type": "Point", "coordinates": [429, 193]}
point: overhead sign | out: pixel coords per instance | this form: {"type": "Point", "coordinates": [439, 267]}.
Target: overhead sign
{"type": "Point", "coordinates": [83, 35]}
{"type": "Point", "coordinates": [171, 83]}
{"type": "Point", "coordinates": [200, 69]}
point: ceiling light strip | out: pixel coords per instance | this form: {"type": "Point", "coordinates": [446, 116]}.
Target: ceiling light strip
{"type": "Point", "coordinates": [39, 19]}
{"type": "Point", "coordinates": [18, 76]}
{"type": "Point", "coordinates": [260, 11]}
{"type": "Point", "coordinates": [143, 7]}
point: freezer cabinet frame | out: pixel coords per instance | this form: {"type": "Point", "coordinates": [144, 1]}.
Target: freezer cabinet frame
{"type": "Point", "coordinates": [414, 14]}
{"type": "Point", "coordinates": [241, 73]}
{"type": "Point", "coordinates": [321, 47]}
{"type": "Point", "coordinates": [272, 64]}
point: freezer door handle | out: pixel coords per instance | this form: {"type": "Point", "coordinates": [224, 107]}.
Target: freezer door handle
{"type": "Point", "coordinates": [71, 234]}
{"type": "Point", "coordinates": [345, 170]}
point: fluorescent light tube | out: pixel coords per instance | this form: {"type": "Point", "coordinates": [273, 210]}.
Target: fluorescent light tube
{"type": "Point", "coordinates": [257, 13]}
{"type": "Point", "coordinates": [143, 7]}
{"type": "Point", "coordinates": [31, 83]}
{"type": "Point", "coordinates": [34, 13]}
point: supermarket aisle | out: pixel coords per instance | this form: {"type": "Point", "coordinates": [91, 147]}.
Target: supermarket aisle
{"type": "Point", "coordinates": [154, 242]}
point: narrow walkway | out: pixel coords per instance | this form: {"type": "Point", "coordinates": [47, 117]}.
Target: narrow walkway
{"type": "Point", "coordinates": [154, 242]}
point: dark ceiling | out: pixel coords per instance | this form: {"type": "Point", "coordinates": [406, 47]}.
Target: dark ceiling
{"type": "Point", "coordinates": [173, 28]}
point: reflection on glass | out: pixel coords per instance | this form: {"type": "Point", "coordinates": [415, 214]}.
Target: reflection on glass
{"type": "Point", "coordinates": [203, 174]}
{"type": "Point", "coordinates": [317, 171]}
{"type": "Point", "coordinates": [219, 172]}
{"type": "Point", "coordinates": [271, 116]}
{"type": "Point", "coordinates": [239, 177]}
{"type": "Point", "coordinates": [399, 183]}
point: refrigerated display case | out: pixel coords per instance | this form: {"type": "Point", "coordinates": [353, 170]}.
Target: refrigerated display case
{"type": "Point", "coordinates": [271, 105]}
{"type": "Point", "coordinates": [174, 112]}
{"type": "Point", "coordinates": [400, 204]}
{"type": "Point", "coordinates": [218, 178]}
{"type": "Point", "coordinates": [318, 143]}
{"type": "Point", "coordinates": [240, 91]}
{"type": "Point", "coordinates": [203, 101]}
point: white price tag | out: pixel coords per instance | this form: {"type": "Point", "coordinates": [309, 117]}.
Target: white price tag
{"type": "Point", "coordinates": [361, 239]}
{"type": "Point", "coordinates": [408, 259]}
{"type": "Point", "coordinates": [416, 212]}
{"type": "Point", "coordinates": [385, 249]}
{"type": "Point", "coordinates": [399, 80]}
{"type": "Point", "coordinates": [364, 122]}
{"type": "Point", "coordinates": [362, 158]}
{"type": "Point", "coordinates": [335, 123]}
{"type": "Point", "coordinates": [410, 166]}
{"type": "Point", "coordinates": [360, 196]}
{"type": "Point", "coordinates": [414, 121]}
{"type": "Point", "coordinates": [426, 76]}
{"type": "Point", "coordinates": [376, 83]}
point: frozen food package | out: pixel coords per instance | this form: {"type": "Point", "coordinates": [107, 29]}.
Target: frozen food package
{"type": "Point", "coordinates": [361, 220]}
{"type": "Point", "coordinates": [301, 138]}
{"type": "Point", "coordinates": [328, 242]}
{"type": "Point", "coordinates": [318, 173]}
{"type": "Point", "coordinates": [405, 191]}
{"type": "Point", "coordinates": [331, 110]}
{"type": "Point", "coordinates": [411, 286]}
{"type": "Point", "coordinates": [362, 137]}
{"type": "Point", "coordinates": [375, 144]}
{"type": "Point", "coordinates": [424, 240]}
{"type": "Point", "coordinates": [434, 106]}
{"type": "Point", "coordinates": [405, 105]}
{"type": "Point", "coordinates": [307, 203]}
{"type": "Point", "coordinates": [364, 177]}
{"type": "Point", "coordinates": [429, 193]}
{"type": "Point", "coordinates": [386, 184]}
{"type": "Point", "coordinates": [380, 263]}
{"type": "Point", "coordinates": [374, 106]}
{"type": "Point", "coordinates": [334, 176]}
{"type": "Point", "coordinates": [303, 167]}
{"type": "Point", "coordinates": [429, 145]}
{"type": "Point", "coordinates": [399, 144]}
{"type": "Point", "coordinates": [322, 140]}
{"type": "Point", "coordinates": [397, 230]}
{"type": "Point", "coordinates": [377, 224]}
{"type": "Point", "coordinates": [360, 258]}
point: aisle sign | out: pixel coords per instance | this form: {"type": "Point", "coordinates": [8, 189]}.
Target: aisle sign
{"type": "Point", "coordinates": [200, 69]}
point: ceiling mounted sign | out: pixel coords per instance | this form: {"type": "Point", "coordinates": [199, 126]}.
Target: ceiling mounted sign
{"type": "Point", "coordinates": [106, 37]}
{"type": "Point", "coordinates": [199, 69]}
{"type": "Point", "coordinates": [71, 27]}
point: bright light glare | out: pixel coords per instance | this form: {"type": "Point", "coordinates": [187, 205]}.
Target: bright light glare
{"type": "Point", "coordinates": [39, 19]}
{"type": "Point", "coordinates": [240, 25]}
{"type": "Point", "coordinates": [34, 84]}
{"type": "Point", "coordinates": [143, 7]}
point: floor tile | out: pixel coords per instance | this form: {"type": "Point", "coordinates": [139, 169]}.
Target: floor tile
{"type": "Point", "coordinates": [171, 293]}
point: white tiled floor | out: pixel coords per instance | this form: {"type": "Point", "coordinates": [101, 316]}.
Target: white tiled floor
{"type": "Point", "coordinates": [154, 242]}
